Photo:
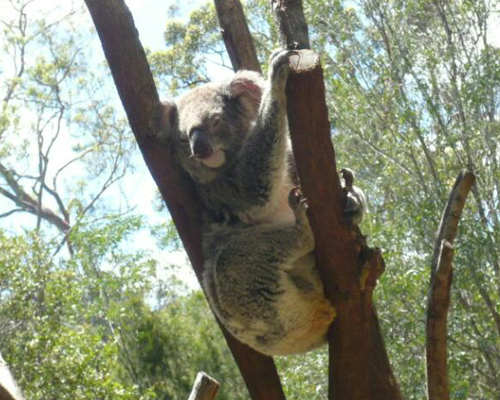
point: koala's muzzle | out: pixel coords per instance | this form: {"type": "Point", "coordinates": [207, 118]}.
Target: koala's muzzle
{"type": "Point", "coordinates": [200, 145]}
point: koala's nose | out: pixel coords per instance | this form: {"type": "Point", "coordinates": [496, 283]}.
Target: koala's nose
{"type": "Point", "coordinates": [200, 145]}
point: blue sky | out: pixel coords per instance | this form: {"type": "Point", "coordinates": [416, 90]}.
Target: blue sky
{"type": "Point", "coordinates": [150, 17]}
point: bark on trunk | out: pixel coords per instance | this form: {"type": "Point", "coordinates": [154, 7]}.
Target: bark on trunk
{"type": "Point", "coordinates": [235, 33]}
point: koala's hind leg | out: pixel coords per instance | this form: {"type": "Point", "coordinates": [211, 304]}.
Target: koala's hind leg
{"type": "Point", "coordinates": [264, 246]}
{"type": "Point", "coordinates": [246, 270]}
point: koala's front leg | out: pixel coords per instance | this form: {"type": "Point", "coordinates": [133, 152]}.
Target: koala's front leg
{"type": "Point", "coordinates": [264, 159]}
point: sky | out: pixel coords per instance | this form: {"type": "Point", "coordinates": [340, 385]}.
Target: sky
{"type": "Point", "coordinates": [150, 18]}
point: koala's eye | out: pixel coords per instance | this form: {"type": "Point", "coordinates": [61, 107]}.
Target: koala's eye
{"type": "Point", "coordinates": [215, 122]}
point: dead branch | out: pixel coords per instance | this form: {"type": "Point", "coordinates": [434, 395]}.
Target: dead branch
{"type": "Point", "coordinates": [8, 387]}
{"type": "Point", "coordinates": [236, 35]}
{"type": "Point", "coordinates": [439, 291]}
{"type": "Point", "coordinates": [205, 388]}
{"type": "Point", "coordinates": [28, 203]}
{"type": "Point", "coordinates": [451, 215]}
{"type": "Point", "coordinates": [133, 79]}
{"type": "Point", "coordinates": [437, 318]}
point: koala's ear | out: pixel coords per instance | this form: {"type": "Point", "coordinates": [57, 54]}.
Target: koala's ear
{"type": "Point", "coordinates": [165, 120]}
{"type": "Point", "coordinates": [247, 85]}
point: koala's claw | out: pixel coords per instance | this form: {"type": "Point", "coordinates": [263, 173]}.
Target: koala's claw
{"type": "Point", "coordinates": [299, 205]}
{"type": "Point", "coordinates": [298, 202]}
{"type": "Point", "coordinates": [279, 65]}
{"type": "Point", "coordinates": [355, 206]}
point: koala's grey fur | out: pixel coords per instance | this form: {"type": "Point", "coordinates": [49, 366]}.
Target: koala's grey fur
{"type": "Point", "coordinates": [260, 275]}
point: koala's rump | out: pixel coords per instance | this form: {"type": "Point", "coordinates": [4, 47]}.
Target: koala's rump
{"type": "Point", "coordinates": [277, 308]}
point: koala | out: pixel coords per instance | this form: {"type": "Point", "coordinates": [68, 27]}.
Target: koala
{"type": "Point", "coordinates": [259, 274]}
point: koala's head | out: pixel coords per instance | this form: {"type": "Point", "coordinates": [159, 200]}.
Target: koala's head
{"type": "Point", "coordinates": [213, 122]}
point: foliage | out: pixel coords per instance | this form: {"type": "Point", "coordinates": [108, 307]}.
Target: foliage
{"type": "Point", "coordinates": [57, 319]}
{"type": "Point", "coordinates": [63, 145]}
{"type": "Point", "coordinates": [177, 341]}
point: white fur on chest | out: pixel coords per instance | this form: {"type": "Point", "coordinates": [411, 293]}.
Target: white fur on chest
{"type": "Point", "coordinates": [276, 211]}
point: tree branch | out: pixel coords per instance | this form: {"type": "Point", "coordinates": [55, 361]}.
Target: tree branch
{"type": "Point", "coordinates": [439, 292]}
{"type": "Point", "coordinates": [28, 203]}
{"type": "Point", "coordinates": [204, 388]}
{"type": "Point", "coordinates": [8, 387]}
{"type": "Point", "coordinates": [451, 215]}
{"type": "Point", "coordinates": [236, 35]}
{"type": "Point", "coordinates": [338, 247]}
{"type": "Point", "coordinates": [291, 23]}
{"type": "Point", "coordinates": [137, 91]}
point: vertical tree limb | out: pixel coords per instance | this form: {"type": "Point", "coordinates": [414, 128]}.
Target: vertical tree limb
{"type": "Point", "coordinates": [236, 35]}
{"type": "Point", "coordinates": [438, 301]}
{"type": "Point", "coordinates": [336, 248]}
{"type": "Point", "coordinates": [291, 23]}
{"type": "Point", "coordinates": [436, 330]}
{"type": "Point", "coordinates": [359, 365]}
{"type": "Point", "coordinates": [451, 215]}
{"type": "Point", "coordinates": [133, 79]}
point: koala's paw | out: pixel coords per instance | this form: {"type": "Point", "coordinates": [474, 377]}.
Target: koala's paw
{"type": "Point", "coordinates": [355, 205]}
{"type": "Point", "coordinates": [299, 205]}
{"type": "Point", "coordinates": [279, 68]}
{"type": "Point", "coordinates": [348, 176]}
